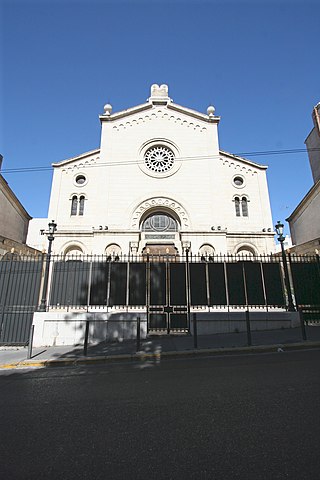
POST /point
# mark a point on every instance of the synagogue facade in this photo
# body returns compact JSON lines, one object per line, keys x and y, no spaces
{"x":159,"y":183}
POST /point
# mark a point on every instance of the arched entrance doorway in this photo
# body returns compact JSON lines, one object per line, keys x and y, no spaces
{"x":160,"y":233}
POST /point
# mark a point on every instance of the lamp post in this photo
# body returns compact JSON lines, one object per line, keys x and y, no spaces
{"x":279,"y":229}
{"x":52,"y":228}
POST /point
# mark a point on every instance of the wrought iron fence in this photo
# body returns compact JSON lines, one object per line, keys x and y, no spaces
{"x":158,"y":284}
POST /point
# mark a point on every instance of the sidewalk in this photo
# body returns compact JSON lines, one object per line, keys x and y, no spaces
{"x":160,"y":346}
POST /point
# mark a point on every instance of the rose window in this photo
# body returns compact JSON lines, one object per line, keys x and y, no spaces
{"x":159,"y":159}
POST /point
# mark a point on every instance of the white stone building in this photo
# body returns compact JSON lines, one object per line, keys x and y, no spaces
{"x":160,"y":183}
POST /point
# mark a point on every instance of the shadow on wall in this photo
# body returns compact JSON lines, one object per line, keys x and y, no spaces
{"x":80,"y":284}
{"x":106,"y":327}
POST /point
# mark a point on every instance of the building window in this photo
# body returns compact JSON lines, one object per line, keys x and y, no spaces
{"x":237,"y":206}
{"x":74,"y":205}
{"x":77,"y":205}
{"x":241,"y":206}
{"x":80,"y":179}
{"x":159,"y":222}
{"x":159,"y":159}
{"x":238,"y":181}
{"x":81,"y":205}
{"x":244,"y":206}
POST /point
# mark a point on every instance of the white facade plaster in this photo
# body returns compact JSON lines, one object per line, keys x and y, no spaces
{"x":61,"y":328}
{"x":119,"y":190}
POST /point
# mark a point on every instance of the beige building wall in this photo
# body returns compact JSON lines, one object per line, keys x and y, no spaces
{"x":305,"y":219}
{"x":14,"y":219}
{"x":313,"y":144}
{"x":305,"y":222}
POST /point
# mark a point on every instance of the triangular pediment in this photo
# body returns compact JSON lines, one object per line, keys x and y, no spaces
{"x":170,"y":107}
{"x":159,"y":99}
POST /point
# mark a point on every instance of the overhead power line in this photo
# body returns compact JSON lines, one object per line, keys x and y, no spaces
{"x":183,"y":159}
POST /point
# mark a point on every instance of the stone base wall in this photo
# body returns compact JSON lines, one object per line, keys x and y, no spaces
{"x":68,"y":328}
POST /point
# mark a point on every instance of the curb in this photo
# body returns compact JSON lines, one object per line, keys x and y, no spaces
{"x":142,"y":356}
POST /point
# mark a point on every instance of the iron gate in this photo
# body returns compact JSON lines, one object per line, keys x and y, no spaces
{"x":168,"y":305}
{"x":19,"y":296}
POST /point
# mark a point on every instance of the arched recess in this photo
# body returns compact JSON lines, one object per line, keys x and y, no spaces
{"x":113,"y":249}
{"x":160,"y":204}
{"x":206,"y":250}
{"x":72,"y":249}
{"x":245,"y":250}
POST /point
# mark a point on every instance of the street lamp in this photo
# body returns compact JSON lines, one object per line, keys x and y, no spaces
{"x":279,"y":227}
{"x":52,"y":228}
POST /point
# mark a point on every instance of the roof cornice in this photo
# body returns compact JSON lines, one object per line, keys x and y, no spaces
{"x":12,"y":198}
{"x":193,"y":113}
{"x":242,"y":159}
{"x":148,"y":106}
{"x":305,"y":199}
{"x":125,"y":113}
{"x":78,"y":157}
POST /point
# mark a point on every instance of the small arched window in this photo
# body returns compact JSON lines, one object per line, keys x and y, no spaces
{"x":74,"y":205}
{"x":237,"y":206}
{"x":244,"y":206}
{"x":81,"y":205}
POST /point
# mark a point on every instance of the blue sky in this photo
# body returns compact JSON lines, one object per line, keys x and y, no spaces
{"x":256,"y":61}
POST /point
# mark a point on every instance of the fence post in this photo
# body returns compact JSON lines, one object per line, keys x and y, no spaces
{"x":287,"y":278}
{"x":86,"y":335}
{"x":302,"y":324}
{"x":138,"y":334}
{"x":29,"y":355}
{"x":248,"y":328}
{"x":195,"y":331}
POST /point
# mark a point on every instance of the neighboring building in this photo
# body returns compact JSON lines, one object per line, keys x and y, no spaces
{"x":313,"y":144}
{"x":159,"y":183}
{"x":36,"y":237}
{"x":14,"y":221}
{"x":305,"y":219}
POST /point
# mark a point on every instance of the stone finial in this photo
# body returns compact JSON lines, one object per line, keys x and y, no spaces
{"x":210,"y":111}
{"x":159,"y":92}
{"x":107,"y":109}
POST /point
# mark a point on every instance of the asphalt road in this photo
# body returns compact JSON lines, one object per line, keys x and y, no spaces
{"x":239,"y":417}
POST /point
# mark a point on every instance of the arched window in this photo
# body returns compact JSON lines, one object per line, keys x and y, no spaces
{"x":72,"y":251}
{"x":74,"y":205}
{"x":159,"y":222}
{"x":246,"y":251}
{"x":237,"y":206}
{"x":77,"y":205}
{"x":81,"y":205}
{"x":241,"y":206}
{"x":244,"y":206}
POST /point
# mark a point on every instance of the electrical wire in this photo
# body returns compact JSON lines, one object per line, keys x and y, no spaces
{"x":182,"y":159}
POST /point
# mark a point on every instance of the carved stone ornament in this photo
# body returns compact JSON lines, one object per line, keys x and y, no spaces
{"x":160,"y":202}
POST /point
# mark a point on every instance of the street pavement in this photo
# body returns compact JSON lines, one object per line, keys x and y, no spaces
{"x":238,"y":417}
{"x":163,"y":346}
